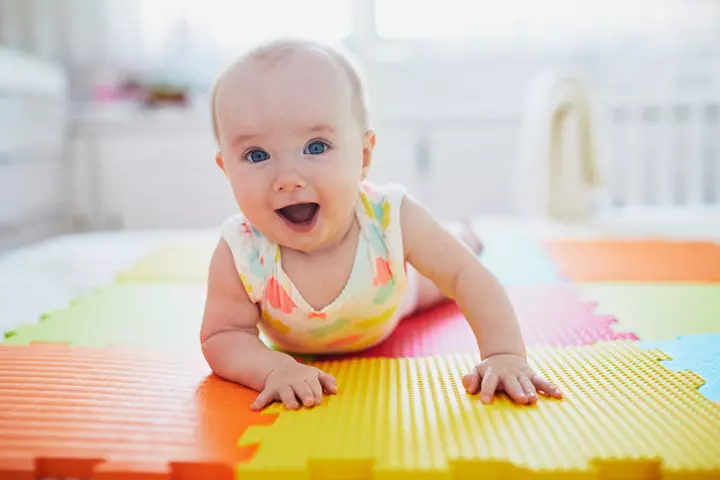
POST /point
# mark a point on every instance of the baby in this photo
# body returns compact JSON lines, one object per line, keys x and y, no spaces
{"x":321,"y":260}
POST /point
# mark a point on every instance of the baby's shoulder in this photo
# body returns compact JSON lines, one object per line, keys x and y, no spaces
{"x":251,"y":251}
{"x":240,"y":235}
{"x":382,"y":205}
{"x":238,"y":225}
{"x":378,"y":193}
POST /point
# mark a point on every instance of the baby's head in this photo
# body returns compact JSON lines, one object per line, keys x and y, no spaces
{"x":290,"y":119}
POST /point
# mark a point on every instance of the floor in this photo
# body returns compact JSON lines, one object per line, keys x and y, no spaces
{"x":113,"y":385}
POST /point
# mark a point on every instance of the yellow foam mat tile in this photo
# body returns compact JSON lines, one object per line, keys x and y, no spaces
{"x":624,"y":416}
{"x":178,"y":263}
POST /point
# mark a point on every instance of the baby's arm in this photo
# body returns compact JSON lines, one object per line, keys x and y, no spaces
{"x":233,"y":349}
{"x":457,"y":272}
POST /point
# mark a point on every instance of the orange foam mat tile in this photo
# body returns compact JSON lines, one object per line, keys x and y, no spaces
{"x":81,"y":412}
{"x":636,"y":260}
{"x":624,"y":416}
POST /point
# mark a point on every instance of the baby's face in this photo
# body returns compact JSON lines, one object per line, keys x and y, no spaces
{"x":292,"y":148}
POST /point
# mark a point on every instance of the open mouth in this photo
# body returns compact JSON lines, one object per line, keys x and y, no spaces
{"x":300,"y":214}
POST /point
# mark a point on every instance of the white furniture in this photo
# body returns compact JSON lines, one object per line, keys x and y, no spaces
{"x":33,"y":182}
{"x":138,"y":169}
{"x":453,"y":140}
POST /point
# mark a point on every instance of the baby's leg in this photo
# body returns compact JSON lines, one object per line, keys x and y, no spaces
{"x":428,"y":294}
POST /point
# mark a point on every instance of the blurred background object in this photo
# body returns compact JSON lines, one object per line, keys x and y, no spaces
{"x":558,"y":108}
{"x":34,"y":170}
{"x":558,"y":172}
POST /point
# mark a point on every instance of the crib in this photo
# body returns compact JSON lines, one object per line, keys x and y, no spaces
{"x":657,"y":135}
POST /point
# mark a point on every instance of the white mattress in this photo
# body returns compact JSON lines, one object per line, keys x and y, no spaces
{"x":47,"y":276}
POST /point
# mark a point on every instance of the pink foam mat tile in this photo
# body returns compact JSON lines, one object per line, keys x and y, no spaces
{"x":548,"y":315}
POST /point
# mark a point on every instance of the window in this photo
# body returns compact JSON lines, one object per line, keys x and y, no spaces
{"x":447,"y":18}
{"x":536,"y":23}
{"x":220,"y":27}
{"x":226,"y":24}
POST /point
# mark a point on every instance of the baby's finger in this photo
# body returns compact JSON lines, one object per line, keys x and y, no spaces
{"x":546,"y":387}
{"x":529,"y":389}
{"x":328,"y":382}
{"x":304,"y":393}
{"x":471,"y":382}
{"x":287,"y":395}
{"x":489,"y":385}
{"x":265,"y":398}
{"x":514,"y":389}
{"x":316,"y":388}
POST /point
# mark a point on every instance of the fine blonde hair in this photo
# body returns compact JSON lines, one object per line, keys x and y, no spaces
{"x":275,"y":50}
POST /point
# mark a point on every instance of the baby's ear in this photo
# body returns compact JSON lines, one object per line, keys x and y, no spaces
{"x":219,"y":161}
{"x":368,"y":146}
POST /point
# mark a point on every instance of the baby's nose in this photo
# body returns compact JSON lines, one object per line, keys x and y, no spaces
{"x":288,"y":181}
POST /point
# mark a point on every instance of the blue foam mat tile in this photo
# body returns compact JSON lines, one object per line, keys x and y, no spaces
{"x":698,"y":353}
{"x":517,"y":260}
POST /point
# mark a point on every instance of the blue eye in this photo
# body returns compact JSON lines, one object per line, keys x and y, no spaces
{"x":316,"y":148}
{"x":256,"y":156}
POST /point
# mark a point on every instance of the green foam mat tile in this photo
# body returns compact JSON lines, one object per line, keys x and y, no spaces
{"x":657,"y":311}
{"x":165,"y":317}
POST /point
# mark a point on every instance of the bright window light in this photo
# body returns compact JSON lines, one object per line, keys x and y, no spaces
{"x":532,"y":22}
{"x":228,"y":24}
{"x":447,"y":18}
{"x":239,"y":22}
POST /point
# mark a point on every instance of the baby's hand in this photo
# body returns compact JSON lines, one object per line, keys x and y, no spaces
{"x":510,"y":373}
{"x":295,"y":384}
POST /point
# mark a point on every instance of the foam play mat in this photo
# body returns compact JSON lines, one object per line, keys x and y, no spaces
{"x":114,"y":385}
{"x":659,"y":311}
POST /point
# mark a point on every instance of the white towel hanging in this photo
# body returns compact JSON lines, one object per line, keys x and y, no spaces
{"x":558,"y":173}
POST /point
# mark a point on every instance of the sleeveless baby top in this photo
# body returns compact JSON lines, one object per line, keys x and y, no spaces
{"x":366,"y":311}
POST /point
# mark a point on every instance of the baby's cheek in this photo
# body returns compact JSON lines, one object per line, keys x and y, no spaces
{"x":346,"y":176}
{"x":342,"y":189}
{"x":249,"y":195}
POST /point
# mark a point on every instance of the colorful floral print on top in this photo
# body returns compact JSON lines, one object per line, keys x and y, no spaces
{"x":368,"y":308}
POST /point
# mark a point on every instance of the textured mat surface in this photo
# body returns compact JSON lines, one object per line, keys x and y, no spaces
{"x":131,"y":414}
{"x":80,"y":412}
{"x":412,"y":419}
{"x":658,"y":311}
{"x":637,"y":261}
{"x":168,"y":317}
{"x":162,"y":317}
{"x":158,"y":317}
{"x":697,"y":353}
{"x":183,"y":263}
{"x":548,"y":315}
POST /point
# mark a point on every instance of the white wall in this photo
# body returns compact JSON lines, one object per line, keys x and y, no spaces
{"x":449,"y":121}
{"x":449,"y":130}
{"x":657,"y":126}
